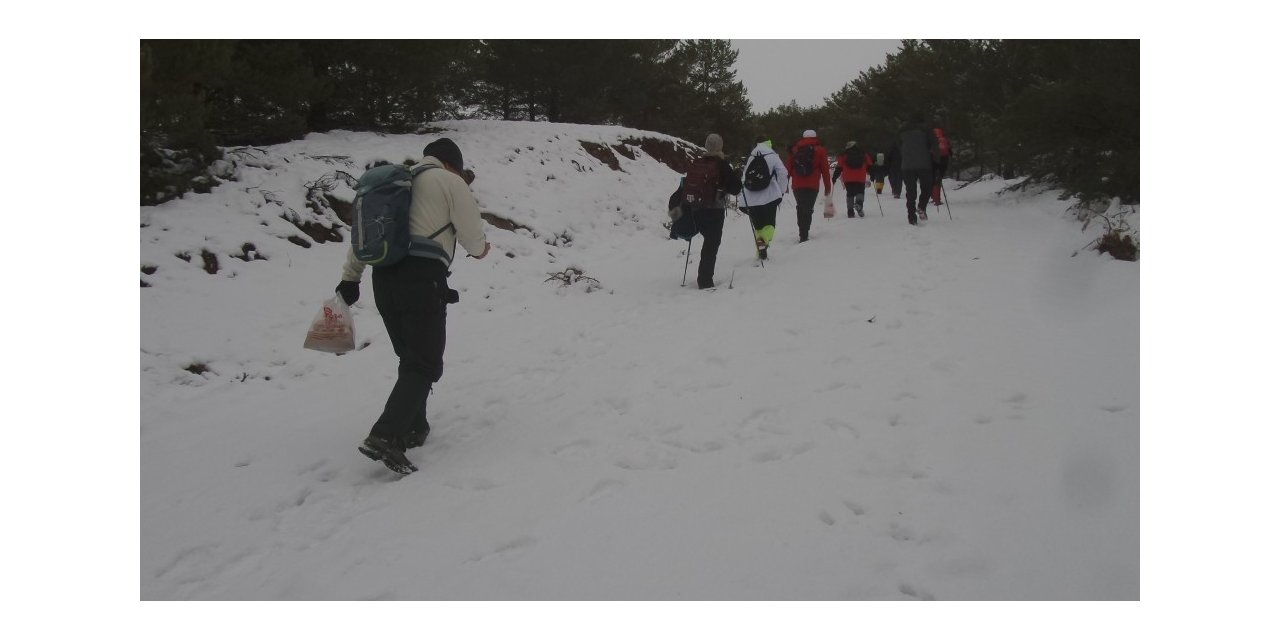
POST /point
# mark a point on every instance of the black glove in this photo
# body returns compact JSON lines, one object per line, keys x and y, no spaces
{"x":350,"y":291}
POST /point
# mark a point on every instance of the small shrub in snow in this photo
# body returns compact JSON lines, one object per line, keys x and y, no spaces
{"x":1120,"y":246}
{"x":1117,"y":240}
{"x":572,"y":276}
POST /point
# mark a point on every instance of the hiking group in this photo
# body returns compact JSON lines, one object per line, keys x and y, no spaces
{"x":408,"y":220}
{"x":917,"y":159}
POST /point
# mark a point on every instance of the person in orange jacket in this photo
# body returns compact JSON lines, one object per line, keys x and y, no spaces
{"x":853,"y":164}
{"x":808,"y":164}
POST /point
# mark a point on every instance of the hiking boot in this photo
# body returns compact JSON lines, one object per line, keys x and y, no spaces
{"x":380,"y":450}
{"x":764,"y":253}
{"x":861,"y":213}
{"x":923,"y":215}
{"x":911,"y":217}
{"x":415,"y":438}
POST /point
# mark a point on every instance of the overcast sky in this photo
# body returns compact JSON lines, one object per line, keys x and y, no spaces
{"x":778,"y":71}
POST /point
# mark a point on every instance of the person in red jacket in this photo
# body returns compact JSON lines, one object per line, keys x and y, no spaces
{"x":853,"y":164}
{"x":940,"y":161}
{"x":807,"y":165}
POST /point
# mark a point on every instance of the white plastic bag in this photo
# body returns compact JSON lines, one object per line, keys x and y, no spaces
{"x":333,"y":330}
{"x":829,"y":208}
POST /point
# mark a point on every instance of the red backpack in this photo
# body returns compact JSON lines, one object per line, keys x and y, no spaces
{"x":944,"y":145}
{"x":702,"y":184}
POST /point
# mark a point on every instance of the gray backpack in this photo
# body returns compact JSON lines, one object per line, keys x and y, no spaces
{"x":380,"y":214}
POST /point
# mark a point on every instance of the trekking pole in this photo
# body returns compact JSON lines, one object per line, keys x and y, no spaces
{"x":879,"y":205}
{"x":688,"y":253}
{"x":752,"y":225}
{"x":946,"y":200}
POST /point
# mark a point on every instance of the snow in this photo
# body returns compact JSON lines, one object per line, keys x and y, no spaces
{"x":948,"y":412}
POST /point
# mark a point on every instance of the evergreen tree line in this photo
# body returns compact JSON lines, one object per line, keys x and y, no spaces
{"x":1062,"y":112}
{"x":199,"y":95}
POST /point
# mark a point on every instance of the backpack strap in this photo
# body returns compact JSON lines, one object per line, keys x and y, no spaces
{"x":441,"y":230}
{"x":429,"y":247}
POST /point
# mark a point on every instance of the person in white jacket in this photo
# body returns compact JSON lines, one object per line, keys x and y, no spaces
{"x":762,"y":204}
{"x":411,"y":296}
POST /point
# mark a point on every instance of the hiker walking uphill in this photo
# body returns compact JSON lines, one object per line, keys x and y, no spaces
{"x":893,"y":168}
{"x":411,"y":294}
{"x":919,"y":146}
{"x":764,"y":182}
{"x":808,"y":163}
{"x":706,"y":182}
{"x":940,"y":162}
{"x":878,"y":170}
{"x":853,"y":164}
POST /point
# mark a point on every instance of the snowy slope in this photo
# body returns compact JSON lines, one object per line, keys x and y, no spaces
{"x":886,"y":412}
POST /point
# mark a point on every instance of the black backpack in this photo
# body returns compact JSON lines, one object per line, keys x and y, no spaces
{"x":758,"y":174}
{"x":702,"y":184}
{"x":802,"y":161}
{"x":682,"y":225}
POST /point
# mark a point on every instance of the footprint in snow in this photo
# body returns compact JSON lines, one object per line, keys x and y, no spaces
{"x":601,"y":489}
{"x":1114,"y":408}
{"x":506,"y":550}
{"x":835,"y":386}
{"x":901,"y":533}
{"x":694,"y":446}
{"x":577,"y":448}
{"x":913,"y":592}
{"x":471,"y":484}
{"x":777,"y":455}
{"x":842,"y":428}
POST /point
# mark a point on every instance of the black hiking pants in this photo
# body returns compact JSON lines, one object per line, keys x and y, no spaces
{"x":805,"y":199}
{"x":912,"y":178}
{"x":410,"y":297}
{"x":711,"y":226}
{"x":764,"y":215}
{"x":854,"y":194}
{"x":895,"y":182}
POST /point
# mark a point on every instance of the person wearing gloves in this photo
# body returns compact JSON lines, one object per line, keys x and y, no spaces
{"x":853,"y":163}
{"x":762,"y":204}
{"x":807,"y":165}
{"x":411,"y":296}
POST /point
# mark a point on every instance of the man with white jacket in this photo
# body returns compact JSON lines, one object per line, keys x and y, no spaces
{"x":762,"y":203}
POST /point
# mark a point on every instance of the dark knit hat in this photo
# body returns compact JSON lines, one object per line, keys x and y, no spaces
{"x":445,"y":151}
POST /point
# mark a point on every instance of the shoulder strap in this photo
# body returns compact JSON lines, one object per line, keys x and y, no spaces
{"x":440,"y":231}
{"x":414,"y":173}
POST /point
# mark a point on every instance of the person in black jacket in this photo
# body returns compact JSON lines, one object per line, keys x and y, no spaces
{"x":708,"y":180}
{"x":894,"y":168}
{"x":919,"y":147}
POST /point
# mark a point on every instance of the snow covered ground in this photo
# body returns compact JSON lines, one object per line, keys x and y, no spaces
{"x":884,"y":413}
